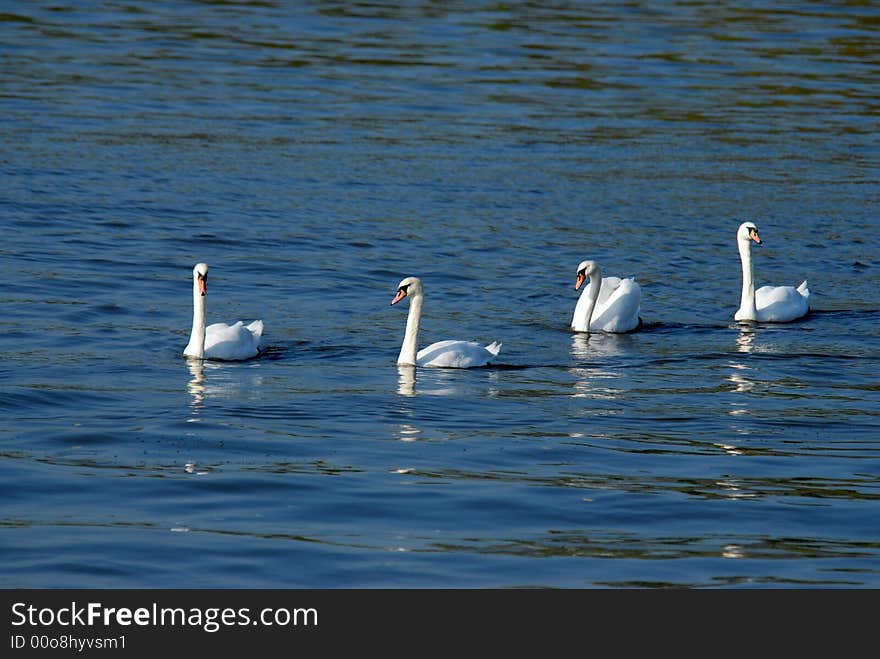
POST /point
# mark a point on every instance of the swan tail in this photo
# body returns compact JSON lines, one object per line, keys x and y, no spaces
{"x":803,"y":290}
{"x":494,"y":348}
{"x":256,"y":328}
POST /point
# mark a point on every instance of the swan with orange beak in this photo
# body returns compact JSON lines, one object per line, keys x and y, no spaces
{"x":768,"y":304}
{"x":443,"y":354}
{"x":607,"y":304}
{"x":219,"y":340}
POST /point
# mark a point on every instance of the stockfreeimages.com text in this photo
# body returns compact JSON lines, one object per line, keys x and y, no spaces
{"x":210,"y":619}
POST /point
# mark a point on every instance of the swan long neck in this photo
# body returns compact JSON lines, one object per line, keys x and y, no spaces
{"x":196,"y":346}
{"x":410,"y":344}
{"x":583,"y":311}
{"x":747,"y":309}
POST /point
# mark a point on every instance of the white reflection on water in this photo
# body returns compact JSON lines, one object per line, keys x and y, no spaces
{"x":743,"y":385}
{"x":439,"y":382}
{"x":190,"y":468}
{"x":598,"y":344}
{"x":592,"y":381}
{"x":211,"y":379}
{"x":739,"y":375}
{"x":745,"y":339}
{"x":407,"y":432}
{"x":196,"y":385}
{"x":406,"y":386}
{"x":447,"y":381}
{"x":733,"y":489}
{"x":733,"y":551}
{"x":406,"y":380}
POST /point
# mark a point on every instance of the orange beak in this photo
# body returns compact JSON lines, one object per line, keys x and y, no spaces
{"x":203,"y":285}
{"x":753,"y":234}
{"x":400,"y":295}
{"x":581,"y":278}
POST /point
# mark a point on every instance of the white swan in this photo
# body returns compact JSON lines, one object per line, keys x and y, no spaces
{"x":769,"y":304}
{"x":608,"y":304}
{"x":219,"y":340}
{"x":443,"y":354}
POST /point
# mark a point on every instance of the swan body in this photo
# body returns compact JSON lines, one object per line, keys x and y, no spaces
{"x":442,"y":354}
{"x":607,"y":304}
{"x":768,"y":304}
{"x":219,"y":340}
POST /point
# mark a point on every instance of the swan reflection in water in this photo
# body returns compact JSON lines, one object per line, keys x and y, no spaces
{"x":435,"y":382}
{"x":406,"y":380}
{"x":739,"y":373}
{"x":592,"y":381}
{"x":440,"y":382}
{"x":745,"y":340}
{"x":406,"y":386}
{"x":206,"y":381}
{"x":196,"y":385}
{"x":742,"y":384}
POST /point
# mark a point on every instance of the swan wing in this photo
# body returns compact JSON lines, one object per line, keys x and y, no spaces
{"x":494,"y":348}
{"x":618,"y":309}
{"x":780,"y":304}
{"x":607,"y":289}
{"x":457,"y":354}
{"x":236,"y":341}
{"x":256,"y":328}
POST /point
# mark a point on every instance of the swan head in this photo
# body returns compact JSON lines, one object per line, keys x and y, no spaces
{"x":748,"y":231}
{"x":585,"y":269}
{"x":407,"y":287}
{"x":200,"y":277}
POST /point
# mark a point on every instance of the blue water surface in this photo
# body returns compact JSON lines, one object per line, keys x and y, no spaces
{"x":316,"y":153}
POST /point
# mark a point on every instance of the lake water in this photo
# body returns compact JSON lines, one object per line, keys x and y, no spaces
{"x":314,"y":154}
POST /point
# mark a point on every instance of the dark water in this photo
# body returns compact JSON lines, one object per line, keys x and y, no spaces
{"x":316,"y":153}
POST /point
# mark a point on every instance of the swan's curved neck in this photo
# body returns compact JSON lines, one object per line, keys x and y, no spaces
{"x":747,"y":309}
{"x":196,"y":345}
{"x":410,"y":345}
{"x":583,"y":311}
